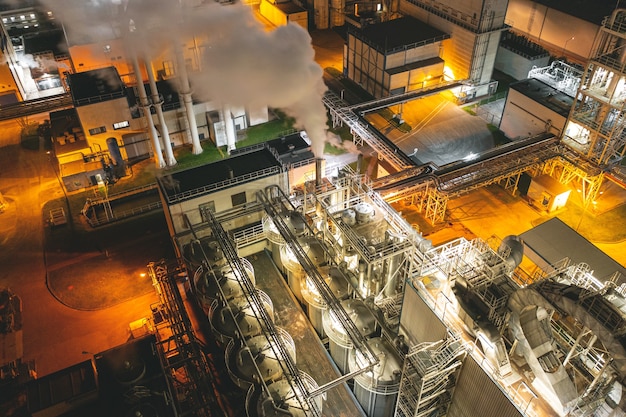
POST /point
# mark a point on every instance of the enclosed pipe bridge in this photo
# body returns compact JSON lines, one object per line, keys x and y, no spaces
{"x":432,"y":186}
{"x":275,"y":205}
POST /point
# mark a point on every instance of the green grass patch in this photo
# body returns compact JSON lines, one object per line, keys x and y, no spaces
{"x":330,"y":149}
{"x":186,"y":159}
{"x":267,"y":131}
{"x":469,"y":110}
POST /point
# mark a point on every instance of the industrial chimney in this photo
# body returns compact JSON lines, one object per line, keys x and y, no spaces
{"x":319,"y":166}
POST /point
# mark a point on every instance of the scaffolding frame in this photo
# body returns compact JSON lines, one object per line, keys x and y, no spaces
{"x":588,"y":175}
{"x":600,"y":108}
{"x":181,"y":350}
{"x":428,"y":378}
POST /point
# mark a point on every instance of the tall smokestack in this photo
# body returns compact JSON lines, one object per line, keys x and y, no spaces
{"x":319,"y":167}
{"x":158,"y":105}
{"x":145,"y":105}
{"x":185,"y":91}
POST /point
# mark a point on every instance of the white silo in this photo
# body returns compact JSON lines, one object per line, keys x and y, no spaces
{"x":316,"y":305}
{"x":339,"y":342}
{"x":377,"y":390}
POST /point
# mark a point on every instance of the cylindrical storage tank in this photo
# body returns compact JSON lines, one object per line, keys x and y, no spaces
{"x":257,"y":359}
{"x":338,"y":286}
{"x":275,"y":238}
{"x":295,"y":272}
{"x":348,"y":217}
{"x":364,"y":212}
{"x":223,"y":283}
{"x":377,"y":390}
{"x":294,"y":223}
{"x":512,"y":250}
{"x":285,"y":399}
{"x":296,"y":275}
{"x":202,"y":250}
{"x":227,"y":319}
{"x":339,"y":342}
{"x":114,"y":152}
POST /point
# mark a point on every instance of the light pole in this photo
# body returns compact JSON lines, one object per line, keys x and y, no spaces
{"x":565,"y":45}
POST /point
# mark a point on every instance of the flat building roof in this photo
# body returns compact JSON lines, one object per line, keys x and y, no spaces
{"x":544,"y":94}
{"x":553,"y":241}
{"x":241,"y":168}
{"x":406,"y":32}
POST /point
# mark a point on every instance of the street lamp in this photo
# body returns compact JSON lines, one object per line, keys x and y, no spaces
{"x":565,"y":45}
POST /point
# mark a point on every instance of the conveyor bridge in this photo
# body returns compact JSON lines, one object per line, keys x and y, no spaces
{"x":381,"y":103}
{"x":31,"y":107}
{"x":362,"y":132}
{"x":430,"y":186}
{"x":352,"y":116}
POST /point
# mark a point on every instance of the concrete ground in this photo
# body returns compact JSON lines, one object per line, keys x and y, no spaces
{"x":55,"y":334}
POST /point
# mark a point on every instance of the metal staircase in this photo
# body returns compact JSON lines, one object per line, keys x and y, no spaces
{"x":428,"y":378}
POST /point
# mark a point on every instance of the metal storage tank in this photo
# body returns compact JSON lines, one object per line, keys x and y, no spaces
{"x":295,"y":273}
{"x":257,"y":359}
{"x":283,"y":399}
{"x":226,"y":317}
{"x":114,"y":152}
{"x":339,"y":343}
{"x":211,"y":285}
{"x":296,"y":225}
{"x":315,"y":303}
{"x":377,"y":390}
{"x":202,"y":250}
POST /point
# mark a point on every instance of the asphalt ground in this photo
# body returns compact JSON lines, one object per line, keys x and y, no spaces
{"x":105,"y":266}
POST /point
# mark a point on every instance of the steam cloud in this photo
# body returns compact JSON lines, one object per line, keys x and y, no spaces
{"x":242,"y":64}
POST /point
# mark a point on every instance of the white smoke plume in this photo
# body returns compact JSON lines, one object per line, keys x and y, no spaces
{"x":242,"y":64}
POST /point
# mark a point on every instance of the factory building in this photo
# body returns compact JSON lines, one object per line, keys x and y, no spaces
{"x":533,"y":107}
{"x":414,"y":329}
{"x":517,"y":55}
{"x":596,"y":125}
{"x":474,"y":29}
{"x":395,"y":57}
{"x":564,"y":28}
{"x":33,"y":54}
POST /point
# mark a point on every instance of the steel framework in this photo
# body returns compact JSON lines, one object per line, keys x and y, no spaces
{"x":180,"y":350}
{"x":428,"y":378}
{"x":597,"y":121}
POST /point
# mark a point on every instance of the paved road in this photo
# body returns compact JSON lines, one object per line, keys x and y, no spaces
{"x":54,"y":335}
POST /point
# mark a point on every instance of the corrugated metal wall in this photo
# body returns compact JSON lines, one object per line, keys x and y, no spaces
{"x":418,"y":323}
{"x":477,"y":395}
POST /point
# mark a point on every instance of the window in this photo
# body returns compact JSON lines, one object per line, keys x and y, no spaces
{"x":121,"y":125}
{"x":238,"y":199}
{"x":206,"y":207}
{"x":97,"y":130}
{"x":168,"y":68}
